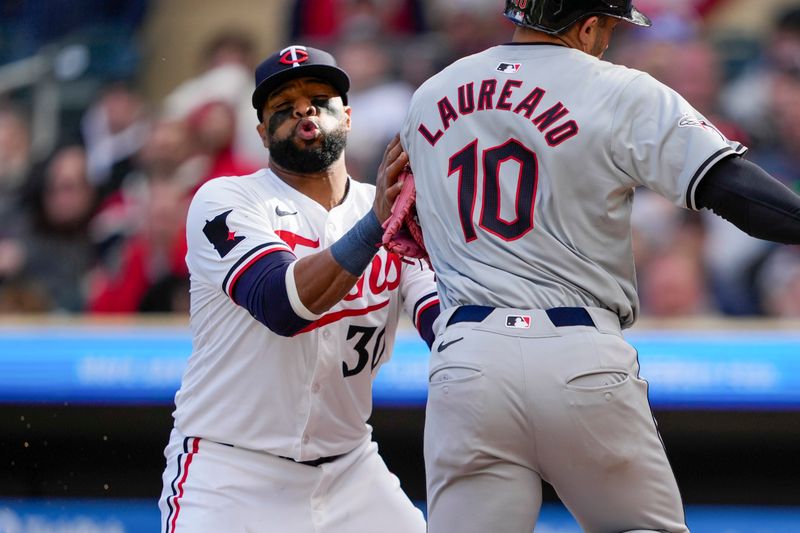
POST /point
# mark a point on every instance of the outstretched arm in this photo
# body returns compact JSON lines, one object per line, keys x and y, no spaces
{"x":744,"y":194}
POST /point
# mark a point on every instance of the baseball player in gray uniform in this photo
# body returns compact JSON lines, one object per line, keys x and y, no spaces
{"x":525,"y":158}
{"x":293,"y":311}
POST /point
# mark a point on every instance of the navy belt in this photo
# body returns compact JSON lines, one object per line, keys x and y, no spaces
{"x":559,"y":316}
{"x":314,"y":462}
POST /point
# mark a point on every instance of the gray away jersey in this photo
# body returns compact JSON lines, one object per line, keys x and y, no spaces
{"x":525,"y":160}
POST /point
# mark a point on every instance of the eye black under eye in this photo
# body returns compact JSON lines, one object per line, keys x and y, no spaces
{"x":322,"y":101}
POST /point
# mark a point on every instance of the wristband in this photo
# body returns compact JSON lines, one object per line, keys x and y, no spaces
{"x":356,"y":248}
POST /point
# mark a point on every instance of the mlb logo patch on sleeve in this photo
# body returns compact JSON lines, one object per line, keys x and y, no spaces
{"x":509,"y":68}
{"x":518,"y":321}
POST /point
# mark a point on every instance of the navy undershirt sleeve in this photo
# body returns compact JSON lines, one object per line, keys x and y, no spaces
{"x":261,"y":289}
{"x":425,"y":324}
{"x":747,"y":196}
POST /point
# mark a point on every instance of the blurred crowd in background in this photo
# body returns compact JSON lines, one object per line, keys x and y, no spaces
{"x":95,"y":177}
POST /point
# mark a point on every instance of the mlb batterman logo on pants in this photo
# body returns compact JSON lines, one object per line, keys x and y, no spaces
{"x":518,"y":321}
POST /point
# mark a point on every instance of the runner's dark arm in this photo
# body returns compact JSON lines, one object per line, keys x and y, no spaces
{"x":747,"y":196}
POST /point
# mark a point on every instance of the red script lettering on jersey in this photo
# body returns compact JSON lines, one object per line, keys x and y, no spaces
{"x":380,"y":277}
{"x":378,"y":284}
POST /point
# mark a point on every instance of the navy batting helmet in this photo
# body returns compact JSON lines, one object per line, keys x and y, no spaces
{"x":555,"y":16}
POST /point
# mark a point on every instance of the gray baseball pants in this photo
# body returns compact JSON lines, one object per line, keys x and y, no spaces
{"x":514,"y":400}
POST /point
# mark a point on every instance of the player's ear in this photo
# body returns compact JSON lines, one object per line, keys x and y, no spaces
{"x":587,"y":30}
{"x":348,"y":111}
{"x":262,"y":132}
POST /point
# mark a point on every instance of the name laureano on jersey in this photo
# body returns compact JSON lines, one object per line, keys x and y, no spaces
{"x":471,"y":98}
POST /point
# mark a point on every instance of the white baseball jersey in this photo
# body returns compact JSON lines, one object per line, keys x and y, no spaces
{"x":304,"y":396}
{"x":526,"y":157}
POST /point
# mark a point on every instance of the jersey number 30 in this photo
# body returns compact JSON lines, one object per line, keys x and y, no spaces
{"x":465,"y":163}
{"x":362,"y":348}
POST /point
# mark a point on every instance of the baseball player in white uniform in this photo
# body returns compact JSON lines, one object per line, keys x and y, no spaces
{"x":293,"y":311}
{"x":525,"y":158}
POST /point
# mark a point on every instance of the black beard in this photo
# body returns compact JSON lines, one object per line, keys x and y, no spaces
{"x":309,"y":160}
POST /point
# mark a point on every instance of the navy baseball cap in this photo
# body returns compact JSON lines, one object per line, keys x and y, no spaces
{"x":297,"y":62}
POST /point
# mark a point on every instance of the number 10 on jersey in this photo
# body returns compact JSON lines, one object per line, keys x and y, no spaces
{"x":466,"y":166}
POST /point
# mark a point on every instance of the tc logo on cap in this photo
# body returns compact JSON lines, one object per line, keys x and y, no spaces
{"x":294,"y":55}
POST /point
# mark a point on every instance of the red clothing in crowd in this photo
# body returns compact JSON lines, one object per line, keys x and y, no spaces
{"x":122,"y":292}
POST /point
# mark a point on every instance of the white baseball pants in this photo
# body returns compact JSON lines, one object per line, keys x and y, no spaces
{"x":211,"y":487}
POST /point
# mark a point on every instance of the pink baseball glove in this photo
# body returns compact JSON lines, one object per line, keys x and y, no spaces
{"x":402,"y":233}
